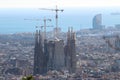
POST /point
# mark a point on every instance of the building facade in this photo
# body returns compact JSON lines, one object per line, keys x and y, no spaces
{"x":39,"y":56}
{"x":54,"y":55}
{"x":97,"y":22}
{"x":70,"y":52}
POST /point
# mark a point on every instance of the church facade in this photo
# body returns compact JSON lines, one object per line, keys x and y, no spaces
{"x":54,"y":55}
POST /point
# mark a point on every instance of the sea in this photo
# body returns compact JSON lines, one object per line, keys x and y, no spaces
{"x":17,"y":20}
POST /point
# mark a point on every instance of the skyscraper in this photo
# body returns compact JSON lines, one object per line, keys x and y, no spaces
{"x":97,"y":22}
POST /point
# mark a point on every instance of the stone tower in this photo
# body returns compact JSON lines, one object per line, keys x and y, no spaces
{"x":56,"y":55}
{"x":53,"y":55}
{"x":70,"y":52}
{"x":39,"y":56}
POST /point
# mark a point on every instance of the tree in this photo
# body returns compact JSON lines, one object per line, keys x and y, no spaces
{"x":28,"y":78}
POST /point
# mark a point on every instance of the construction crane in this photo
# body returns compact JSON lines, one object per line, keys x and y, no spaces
{"x":56,"y":17}
{"x":39,"y":27}
{"x":45,"y":22}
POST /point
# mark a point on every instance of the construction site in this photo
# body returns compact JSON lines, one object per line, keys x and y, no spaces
{"x":54,"y":54}
{"x":85,"y":54}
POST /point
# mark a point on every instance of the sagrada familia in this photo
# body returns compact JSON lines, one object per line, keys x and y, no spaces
{"x":54,"y":54}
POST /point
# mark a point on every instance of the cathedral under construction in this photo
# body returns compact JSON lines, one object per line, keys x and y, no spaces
{"x":54,"y":54}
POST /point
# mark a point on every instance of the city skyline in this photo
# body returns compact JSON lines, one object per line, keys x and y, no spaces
{"x":77,"y":13}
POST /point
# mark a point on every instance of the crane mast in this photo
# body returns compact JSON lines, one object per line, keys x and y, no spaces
{"x":45,"y":20}
{"x":45,"y":23}
{"x":56,"y":17}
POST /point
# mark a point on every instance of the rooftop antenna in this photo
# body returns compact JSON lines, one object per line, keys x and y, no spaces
{"x":56,"y":17}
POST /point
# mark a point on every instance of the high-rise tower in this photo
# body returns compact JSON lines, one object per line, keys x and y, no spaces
{"x":97,"y":22}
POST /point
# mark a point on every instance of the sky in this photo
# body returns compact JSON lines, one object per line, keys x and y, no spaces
{"x":77,"y":13}
{"x":61,"y":3}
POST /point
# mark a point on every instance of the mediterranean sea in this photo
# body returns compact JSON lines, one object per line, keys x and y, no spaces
{"x":12,"y":19}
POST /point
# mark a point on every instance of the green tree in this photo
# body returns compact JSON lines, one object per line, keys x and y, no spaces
{"x":28,"y":78}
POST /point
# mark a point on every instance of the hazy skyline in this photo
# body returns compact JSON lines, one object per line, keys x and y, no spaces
{"x":77,"y":13}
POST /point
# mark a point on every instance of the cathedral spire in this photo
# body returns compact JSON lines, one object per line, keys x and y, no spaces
{"x":36,"y":38}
